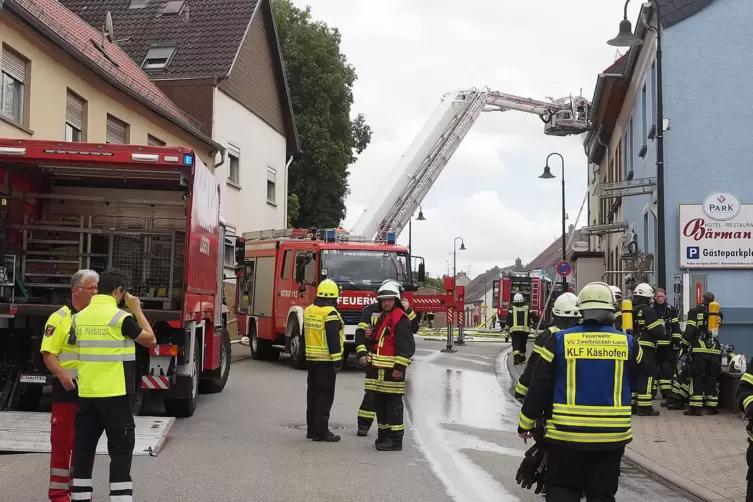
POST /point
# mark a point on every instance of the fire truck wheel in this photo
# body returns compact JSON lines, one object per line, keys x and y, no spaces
{"x":216,"y":385}
{"x":185,"y":407}
{"x":261,"y":349}
{"x":297,"y":347}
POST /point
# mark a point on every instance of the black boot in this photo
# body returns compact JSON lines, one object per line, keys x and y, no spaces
{"x":675,"y":405}
{"x":694,"y":411}
{"x":328,"y":437}
{"x":390,"y":445}
{"x":647,"y":411}
{"x":381,"y":438}
{"x":712,"y":411}
{"x":362,"y":431}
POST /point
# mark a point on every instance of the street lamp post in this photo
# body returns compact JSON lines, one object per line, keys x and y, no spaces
{"x":454,"y":289}
{"x":547,"y":175}
{"x":410,"y":229}
{"x":626,"y":38}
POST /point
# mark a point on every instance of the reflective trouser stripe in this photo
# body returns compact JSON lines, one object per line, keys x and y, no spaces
{"x":366,"y":414}
{"x":121,"y":498}
{"x":84,"y":483}
{"x":81,"y":495}
{"x":125,"y":485}
{"x":55,"y":485}
{"x":59,"y":472}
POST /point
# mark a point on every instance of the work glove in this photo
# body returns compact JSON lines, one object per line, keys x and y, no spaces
{"x":532,"y":470}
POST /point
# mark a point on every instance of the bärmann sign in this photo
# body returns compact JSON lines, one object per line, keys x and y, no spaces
{"x":717,"y":233}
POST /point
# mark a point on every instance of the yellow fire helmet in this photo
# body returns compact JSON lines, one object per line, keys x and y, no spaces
{"x":328,"y":289}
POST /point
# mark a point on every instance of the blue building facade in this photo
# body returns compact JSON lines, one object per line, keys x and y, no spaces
{"x":707,"y":148}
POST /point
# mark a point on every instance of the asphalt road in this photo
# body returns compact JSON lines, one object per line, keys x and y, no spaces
{"x":248,"y":443}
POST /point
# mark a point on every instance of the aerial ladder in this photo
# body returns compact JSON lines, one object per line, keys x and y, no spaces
{"x":437,"y":141}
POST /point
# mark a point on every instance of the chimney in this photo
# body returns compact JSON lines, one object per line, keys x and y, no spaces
{"x":518,"y":263}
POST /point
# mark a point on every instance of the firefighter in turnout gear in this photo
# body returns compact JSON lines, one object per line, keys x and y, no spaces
{"x":666,"y":348}
{"x":324,"y":335}
{"x":519,"y":318}
{"x":61,"y":358}
{"x":648,"y":330}
{"x":566,"y":316}
{"x":617,"y":307}
{"x":582,"y":384}
{"x":745,"y":402}
{"x":394,"y":347}
{"x":107,"y":376}
{"x":701,"y":334}
{"x":364,"y":348}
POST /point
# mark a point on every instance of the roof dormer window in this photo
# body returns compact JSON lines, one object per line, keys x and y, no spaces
{"x":158,"y":58}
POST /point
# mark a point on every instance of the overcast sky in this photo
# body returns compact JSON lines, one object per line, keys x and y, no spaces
{"x":408,"y":53}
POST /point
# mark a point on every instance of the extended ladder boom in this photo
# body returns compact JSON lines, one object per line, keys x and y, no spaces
{"x":437,"y":141}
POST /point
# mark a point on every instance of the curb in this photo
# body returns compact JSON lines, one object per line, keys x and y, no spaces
{"x":661,"y":473}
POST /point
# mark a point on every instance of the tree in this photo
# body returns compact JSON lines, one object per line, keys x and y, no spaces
{"x":640,"y":265}
{"x":294,"y":209}
{"x":321,"y":82}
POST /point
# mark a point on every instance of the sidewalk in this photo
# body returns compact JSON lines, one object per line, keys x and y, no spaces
{"x":704,"y":456}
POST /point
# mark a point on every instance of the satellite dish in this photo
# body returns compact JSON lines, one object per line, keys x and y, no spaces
{"x":108,"y":31}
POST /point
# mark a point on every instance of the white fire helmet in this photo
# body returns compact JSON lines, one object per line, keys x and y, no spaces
{"x":738,"y":364}
{"x":566,"y":305}
{"x":644,"y":290}
{"x":617,"y":292}
{"x":518,"y":298}
{"x":389,"y":290}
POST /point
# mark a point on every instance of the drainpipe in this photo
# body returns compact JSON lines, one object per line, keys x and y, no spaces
{"x":285,"y":201}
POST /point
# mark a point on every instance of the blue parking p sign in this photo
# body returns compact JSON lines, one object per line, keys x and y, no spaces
{"x":693,"y":252}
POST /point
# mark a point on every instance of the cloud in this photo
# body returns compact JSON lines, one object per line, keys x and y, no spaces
{"x":409,"y":53}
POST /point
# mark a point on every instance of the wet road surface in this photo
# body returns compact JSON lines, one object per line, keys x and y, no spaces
{"x":465,"y":422}
{"x":248,"y":444}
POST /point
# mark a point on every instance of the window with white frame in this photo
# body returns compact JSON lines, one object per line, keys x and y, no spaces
{"x":229,"y":258}
{"x":117,"y":131}
{"x":158,"y":58}
{"x":234,"y":166}
{"x":271,"y":185}
{"x":74,"y":117}
{"x":13,"y":85}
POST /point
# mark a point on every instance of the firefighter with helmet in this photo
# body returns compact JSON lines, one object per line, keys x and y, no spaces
{"x":705,"y":358}
{"x":394,"y":347}
{"x":666,"y":349}
{"x":519,"y":318}
{"x":617,"y":306}
{"x":583,"y":375}
{"x":648,"y":330}
{"x":324,"y":333}
{"x":744,"y":397}
{"x":566,"y":316}
{"x":364,"y":348}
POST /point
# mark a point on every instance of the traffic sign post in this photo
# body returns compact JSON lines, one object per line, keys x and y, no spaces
{"x":564,"y":268}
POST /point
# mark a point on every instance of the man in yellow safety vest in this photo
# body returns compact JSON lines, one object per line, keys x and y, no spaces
{"x":324,"y":334}
{"x":107,"y":377}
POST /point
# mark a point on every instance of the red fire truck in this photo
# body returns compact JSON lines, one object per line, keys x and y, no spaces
{"x":150,"y":211}
{"x":278,"y":271}
{"x":534,"y":286}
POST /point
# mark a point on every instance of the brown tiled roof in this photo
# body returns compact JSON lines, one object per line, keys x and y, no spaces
{"x":206,"y":43}
{"x":76,"y":37}
{"x":552,"y":254}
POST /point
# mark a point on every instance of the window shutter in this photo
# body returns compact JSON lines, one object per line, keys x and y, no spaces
{"x":152,"y":141}
{"x":74,"y":111}
{"x":116,"y":131}
{"x":14,"y":66}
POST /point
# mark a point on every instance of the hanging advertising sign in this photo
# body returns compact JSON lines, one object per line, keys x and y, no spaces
{"x":717,"y":233}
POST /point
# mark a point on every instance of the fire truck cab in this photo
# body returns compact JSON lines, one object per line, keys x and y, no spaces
{"x":534,"y":286}
{"x":278,"y":272}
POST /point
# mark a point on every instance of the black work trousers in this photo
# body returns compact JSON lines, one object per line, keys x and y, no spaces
{"x":113,"y":415}
{"x":367,"y":411}
{"x":666,"y":360}
{"x":519,"y":342}
{"x":647,"y":376}
{"x":572,"y":473}
{"x":704,"y":372}
{"x":319,"y":396}
{"x":389,"y":415}
{"x":749,"y":477}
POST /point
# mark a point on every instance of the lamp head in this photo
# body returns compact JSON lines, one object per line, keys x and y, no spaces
{"x":547,"y":175}
{"x":625,"y":37}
